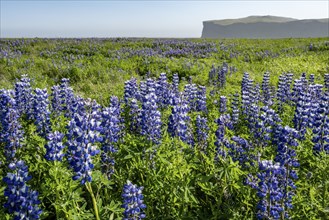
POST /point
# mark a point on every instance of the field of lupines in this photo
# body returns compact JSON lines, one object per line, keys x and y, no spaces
{"x":164,"y":129}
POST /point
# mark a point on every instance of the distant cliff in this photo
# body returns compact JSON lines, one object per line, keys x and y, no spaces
{"x":265,"y":27}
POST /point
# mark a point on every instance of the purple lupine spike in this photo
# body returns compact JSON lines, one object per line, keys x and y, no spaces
{"x":235,"y":109}
{"x":54,"y":146}
{"x":326,"y":81}
{"x":23,"y":96}
{"x":130,"y":90}
{"x":112,"y":132}
{"x":240,"y":150}
{"x":201,"y":99}
{"x":223,"y":122}
{"x":191,"y":94}
{"x":286,"y":156}
{"x":245,"y":93}
{"x":151,"y":118}
{"x":179,"y":121}
{"x":12,"y":132}
{"x":162,"y":91}
{"x":321,"y":126}
{"x":22,"y":201}
{"x":175,"y":84}
{"x":83,"y":132}
{"x":302,"y":112}
{"x":269,"y":191}
{"x":41,"y":112}
{"x":266,"y":93}
{"x":223,"y":104}
{"x":56,"y":107}
{"x":133,"y":202}
{"x":202,"y":130}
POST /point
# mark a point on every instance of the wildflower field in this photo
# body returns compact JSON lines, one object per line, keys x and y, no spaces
{"x":130,"y":128}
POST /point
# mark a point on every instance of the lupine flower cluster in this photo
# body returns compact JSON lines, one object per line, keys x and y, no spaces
{"x":240,"y":150}
{"x":223,"y":104}
{"x":270,"y":191}
{"x":326,"y":81}
{"x":11,"y":133}
{"x":191,"y":96}
{"x":23,"y":96}
{"x":201,"y":102}
{"x":245,"y":93}
{"x":54,"y":146}
{"x":133,"y":202}
{"x":151,"y":118}
{"x":223,"y":122}
{"x":84,"y":131}
{"x":178,"y":125}
{"x":301,"y":117}
{"x":56,"y":107}
{"x":235,"y":109}
{"x":41,"y":111}
{"x":175,"y":85}
{"x":67,"y":98}
{"x":163,"y":91}
{"x":202,"y":130}
{"x":222,"y":75}
{"x":22,"y":202}
{"x":112,"y":131}
{"x":321,"y":126}
{"x":130,"y":90}
{"x":266,"y":93}
{"x":286,"y":157}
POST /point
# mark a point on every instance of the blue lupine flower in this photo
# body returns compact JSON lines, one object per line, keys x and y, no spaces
{"x":22,"y":202}
{"x":130,"y":90}
{"x":245,"y":93}
{"x":212,"y":74}
{"x":311,"y":79}
{"x":223,"y":104}
{"x":235,"y":109}
{"x":143,"y":91}
{"x":222,"y":75}
{"x":270,"y":191}
{"x":321,"y":126}
{"x":66,"y":97}
{"x":264,"y":125}
{"x":112,"y":131}
{"x":41,"y":112}
{"x":178,"y":125}
{"x":191,"y":96}
{"x":220,"y":143}
{"x":56,"y":107}
{"x":202,"y":130}
{"x":133,"y":202}
{"x":84,"y":131}
{"x":286,"y":156}
{"x":162,"y":91}
{"x":301,"y":117}
{"x":23,"y":96}
{"x":326,"y":81}
{"x":134,"y":116}
{"x":151,"y":118}
{"x":54,"y":146}
{"x":12,"y":132}
{"x":316,"y":96}
{"x":175,"y":85}
{"x":266,"y":93}
{"x":201,"y":100}
{"x":240,"y":150}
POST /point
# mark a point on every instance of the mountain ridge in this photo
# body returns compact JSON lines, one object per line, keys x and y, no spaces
{"x":265,"y":27}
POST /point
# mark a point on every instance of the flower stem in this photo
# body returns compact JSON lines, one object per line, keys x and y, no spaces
{"x":90,"y":190}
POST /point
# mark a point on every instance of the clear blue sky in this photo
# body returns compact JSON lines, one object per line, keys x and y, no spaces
{"x":137,"y":18}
